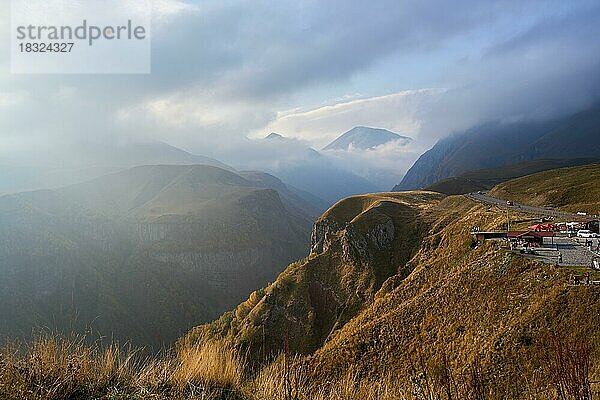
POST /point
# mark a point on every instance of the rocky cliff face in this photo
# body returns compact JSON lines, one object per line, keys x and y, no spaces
{"x":321,"y":235}
{"x":355,"y":247}
{"x":354,"y":243}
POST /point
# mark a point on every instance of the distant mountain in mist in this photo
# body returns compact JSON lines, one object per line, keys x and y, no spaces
{"x":70,"y":166}
{"x":274,"y":135}
{"x":312,"y":172}
{"x":145,"y":253}
{"x":497,"y":144}
{"x":364,"y":138}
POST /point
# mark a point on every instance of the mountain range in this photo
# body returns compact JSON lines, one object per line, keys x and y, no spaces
{"x":503,"y":143}
{"x":314,"y":173}
{"x":145,"y":253}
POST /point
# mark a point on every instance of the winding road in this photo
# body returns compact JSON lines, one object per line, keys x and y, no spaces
{"x":548,"y":212}
{"x":572,"y":252}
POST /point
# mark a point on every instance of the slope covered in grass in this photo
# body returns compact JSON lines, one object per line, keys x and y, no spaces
{"x":356,"y":245}
{"x":481,"y":305}
{"x":428,"y":300}
{"x":144,"y":254}
{"x":485,"y":179}
{"x":570,"y":189}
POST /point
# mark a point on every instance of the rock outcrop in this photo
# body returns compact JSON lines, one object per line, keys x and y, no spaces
{"x":355,"y":247}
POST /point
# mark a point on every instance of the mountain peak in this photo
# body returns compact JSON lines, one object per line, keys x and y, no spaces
{"x":274,"y":135}
{"x":364,"y":138}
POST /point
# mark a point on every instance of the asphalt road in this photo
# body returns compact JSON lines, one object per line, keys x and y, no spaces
{"x":571,"y":249}
{"x":548,"y":212}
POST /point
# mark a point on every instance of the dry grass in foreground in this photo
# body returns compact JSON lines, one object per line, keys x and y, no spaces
{"x":53,"y":368}
{"x":56,"y":369}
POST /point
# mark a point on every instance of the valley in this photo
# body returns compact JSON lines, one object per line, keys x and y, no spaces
{"x":301,"y":200}
{"x":393,"y":287}
{"x":144,"y":254}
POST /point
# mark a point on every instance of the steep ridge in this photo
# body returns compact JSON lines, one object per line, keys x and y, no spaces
{"x":143,"y":254}
{"x":502,"y":143}
{"x":395,"y":284}
{"x":356,"y":245}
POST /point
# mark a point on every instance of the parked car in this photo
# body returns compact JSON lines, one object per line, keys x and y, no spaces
{"x":584,"y":233}
{"x":527,"y":250}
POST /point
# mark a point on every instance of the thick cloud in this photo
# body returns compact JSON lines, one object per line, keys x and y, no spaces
{"x":396,"y":112}
{"x":226,"y":70}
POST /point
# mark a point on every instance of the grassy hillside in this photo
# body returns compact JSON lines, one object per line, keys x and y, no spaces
{"x":485,"y":179}
{"x":479,"y":305}
{"x":570,"y":189}
{"x":145,"y":254}
{"x":504,"y":143}
{"x":355,"y":248}
{"x":426,"y":302}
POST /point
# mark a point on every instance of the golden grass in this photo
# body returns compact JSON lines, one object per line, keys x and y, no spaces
{"x":209,"y":364}
{"x":53,"y":368}
{"x":569,"y":189}
{"x":288,"y":379}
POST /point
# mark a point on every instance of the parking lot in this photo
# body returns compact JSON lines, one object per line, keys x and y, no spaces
{"x":573,"y":251}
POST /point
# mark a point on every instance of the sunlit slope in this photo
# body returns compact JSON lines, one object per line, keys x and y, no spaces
{"x":468,"y":303}
{"x":570,"y":189}
{"x":485,"y":179}
{"x":356,"y":245}
{"x":370,"y":298}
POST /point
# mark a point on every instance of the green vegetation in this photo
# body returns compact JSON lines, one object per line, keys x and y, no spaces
{"x":570,"y":189}
{"x":485,"y":179}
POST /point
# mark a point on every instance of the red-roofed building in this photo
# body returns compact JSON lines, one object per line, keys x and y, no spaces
{"x":531,"y":237}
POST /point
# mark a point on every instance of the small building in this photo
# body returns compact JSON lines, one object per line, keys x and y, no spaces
{"x":531,"y":237}
{"x":483,"y":236}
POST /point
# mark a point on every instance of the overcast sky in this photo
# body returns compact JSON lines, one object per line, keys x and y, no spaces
{"x":227,"y":70}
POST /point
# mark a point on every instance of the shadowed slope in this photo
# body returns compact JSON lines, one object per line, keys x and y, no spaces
{"x":143,"y":254}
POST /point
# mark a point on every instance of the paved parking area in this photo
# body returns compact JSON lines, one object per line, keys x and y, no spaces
{"x":573,"y":251}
